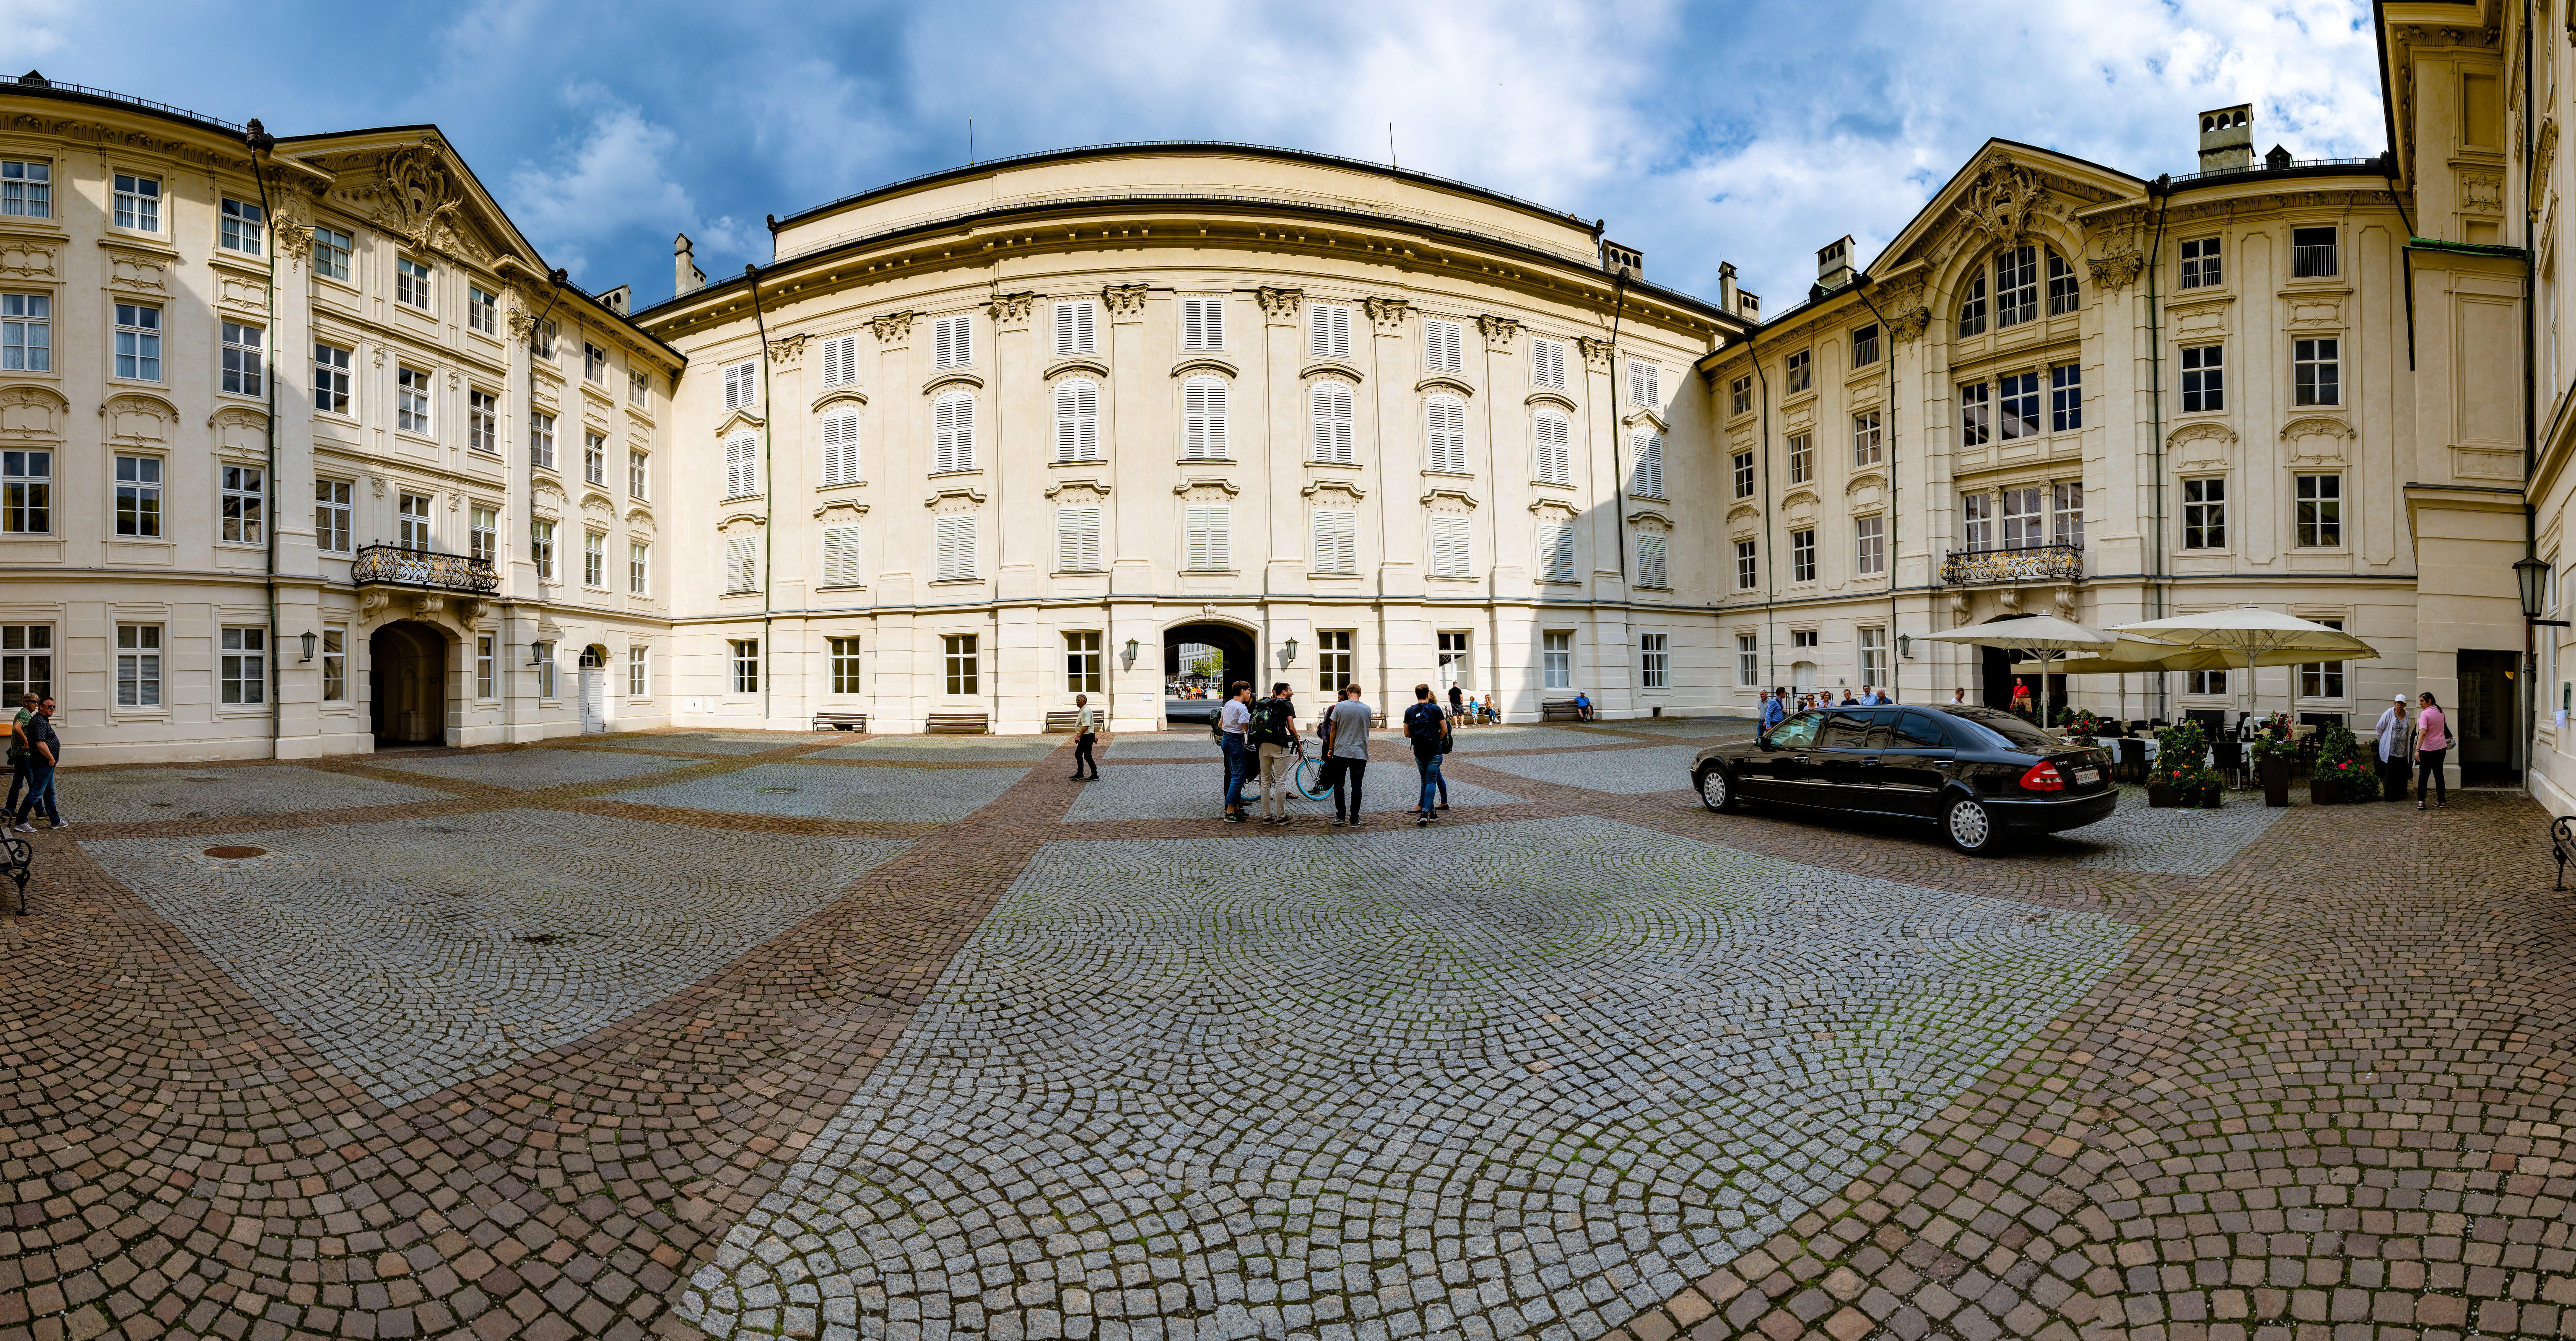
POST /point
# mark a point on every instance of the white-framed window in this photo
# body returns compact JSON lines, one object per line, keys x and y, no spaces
{"x":742,"y":464}
{"x":1444,"y":434}
{"x":411,"y":522}
{"x":138,"y":665}
{"x":335,"y":664}
{"x":956,"y":537}
{"x":1328,"y":331}
{"x":1742,"y":469}
{"x":26,"y":332}
{"x":594,"y":363}
{"x":953,"y":426}
{"x":541,"y":339}
{"x":1802,"y":457}
{"x":26,"y":661}
{"x":1748,"y":660}
{"x":2205,"y":682}
{"x":330,"y":378}
{"x":639,"y":385}
{"x":1739,"y":395}
{"x":845,"y":665}
{"x":1977,"y":520}
{"x":639,"y":568}
{"x":1654,"y":550}
{"x":1802,"y":555}
{"x":1869,"y":545}
{"x":2065,"y":398}
{"x":243,"y":497}
{"x":594,"y":558}
{"x":331,"y":252}
{"x":411,"y":400}
{"x":26,"y":188}
{"x":1337,"y":540}
{"x":1646,"y":449}
{"x":2016,"y":286}
{"x":483,"y":532}
{"x":1077,"y":327}
{"x":482,"y":310}
{"x":1556,"y":551}
{"x":741,"y":384}
{"x":1972,"y":307}
{"x":1976,"y":414}
{"x":1334,"y":662}
{"x":243,"y":674}
{"x":952,"y":341}
{"x":138,"y":202}
{"x":841,"y":555}
{"x":244,"y":357}
{"x":1202,"y":323}
{"x":2316,"y":368}
{"x":138,"y":496}
{"x":1330,"y":406}
{"x":746,"y":665}
{"x":1441,"y":345}
{"x":541,"y":440}
{"x":639,"y":469}
{"x":2204,"y":379}
{"x":2201,"y":266}
{"x":1556,"y":659}
{"x":594,"y":458}
{"x":1077,"y":539}
{"x":241,"y":225}
{"x":2204,"y":513}
{"x":1798,"y":372}
{"x":1454,"y":668}
{"x":2017,"y":405}
{"x":138,"y":341}
{"x":963,"y":662}
{"x":742,"y":564}
{"x":1209,"y":528}
{"x":1555,"y":454}
{"x":482,"y":421}
{"x":26,"y":492}
{"x":1748,"y":571}
{"x":2025,"y":517}
{"x":1452,"y":547}
{"x":638,"y":664}
{"x":541,"y":547}
{"x":1654,"y":660}
{"x":840,"y":447}
{"x":411,"y":282}
{"x":2066,"y":513}
{"x":2322,"y":679}
{"x":1077,"y":419}
{"x":544,"y":655}
{"x":1646,"y":381}
{"x":484,"y":680}
{"x":2064,"y":295}
{"x":840,"y":365}
{"x":1864,"y":345}
{"x":2320,"y":511}
{"x":1203,"y":418}
{"x":1082,"y":661}
{"x":1547,"y":362}
{"x":1873,"y":656}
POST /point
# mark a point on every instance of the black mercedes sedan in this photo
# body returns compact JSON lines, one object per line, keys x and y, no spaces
{"x":1977,"y":773}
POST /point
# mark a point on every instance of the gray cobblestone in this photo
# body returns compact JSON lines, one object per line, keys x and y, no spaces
{"x":530,"y":769}
{"x":1173,"y":791}
{"x":1653,"y":768}
{"x":2170,"y":842}
{"x":825,"y":791}
{"x":948,"y":749}
{"x":109,"y":796}
{"x":1507,"y":738}
{"x":705,"y":742}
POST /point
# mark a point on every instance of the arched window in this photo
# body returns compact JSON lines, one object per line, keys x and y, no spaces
{"x":1203,"y":417}
{"x":841,"y":447}
{"x":1331,"y":403}
{"x":1077,"y":419}
{"x":1444,"y":433}
{"x":1555,"y":459}
{"x":954,"y":419}
{"x":2063,"y":296}
{"x":1972,"y":307}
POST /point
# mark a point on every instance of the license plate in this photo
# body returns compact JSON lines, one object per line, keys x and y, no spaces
{"x":2086,"y":777}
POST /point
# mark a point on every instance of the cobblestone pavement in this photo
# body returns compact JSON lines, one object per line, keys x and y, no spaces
{"x":2250,"y":1075}
{"x":1180,"y":791}
{"x":947,"y":749}
{"x":1629,"y":772}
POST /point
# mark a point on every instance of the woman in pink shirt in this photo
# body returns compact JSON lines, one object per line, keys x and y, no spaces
{"x":2432,"y":741}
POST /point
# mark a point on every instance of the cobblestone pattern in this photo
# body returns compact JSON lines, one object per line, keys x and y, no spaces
{"x":835,"y":793}
{"x":1479,"y":1082}
{"x":523,"y":770}
{"x":1178,"y":743}
{"x":1652,"y":768}
{"x":1506,"y":739}
{"x":1173,"y":791}
{"x":418,"y":955}
{"x":948,"y":749}
{"x":112,"y":795}
{"x":704,"y":742}
{"x":2138,"y":837}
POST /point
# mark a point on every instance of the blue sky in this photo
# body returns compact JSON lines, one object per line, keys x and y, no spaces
{"x":1703,"y":132}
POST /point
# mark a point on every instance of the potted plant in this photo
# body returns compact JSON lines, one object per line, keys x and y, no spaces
{"x":2181,"y":762}
{"x":2081,"y":725}
{"x":2204,"y":790}
{"x":2343,"y":771}
{"x":2274,"y":750}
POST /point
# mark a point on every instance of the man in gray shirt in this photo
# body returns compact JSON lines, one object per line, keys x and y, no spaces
{"x":1346,"y":735}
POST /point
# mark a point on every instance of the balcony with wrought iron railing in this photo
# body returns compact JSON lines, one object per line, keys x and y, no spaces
{"x":394,"y":566}
{"x":2026,"y":563}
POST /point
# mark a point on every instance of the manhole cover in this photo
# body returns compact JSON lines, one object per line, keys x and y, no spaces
{"x":778,"y":791}
{"x":230,"y":852}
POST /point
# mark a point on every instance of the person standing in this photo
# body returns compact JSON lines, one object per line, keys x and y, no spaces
{"x":1457,"y":704}
{"x":44,"y":751}
{"x":1958,"y":698}
{"x":1083,"y":736}
{"x":2432,"y":741}
{"x":1346,"y":742}
{"x":1232,"y":721}
{"x":1274,"y":734}
{"x":19,"y":759}
{"x":1775,"y":708}
{"x":1427,"y":728}
{"x":2396,"y":734}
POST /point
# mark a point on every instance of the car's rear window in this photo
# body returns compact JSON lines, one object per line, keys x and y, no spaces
{"x":2002,"y":728}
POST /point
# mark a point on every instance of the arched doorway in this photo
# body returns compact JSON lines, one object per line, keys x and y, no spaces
{"x":594,"y":689}
{"x":1230,"y":647}
{"x":407,"y":684}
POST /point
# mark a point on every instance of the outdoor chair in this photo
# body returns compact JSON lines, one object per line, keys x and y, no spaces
{"x":2133,"y":759}
{"x":2230,"y":757}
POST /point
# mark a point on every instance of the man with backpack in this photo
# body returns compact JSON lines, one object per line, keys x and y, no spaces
{"x":1346,"y":734}
{"x":1273,"y":732}
{"x":1428,"y":728}
{"x":1233,"y":719}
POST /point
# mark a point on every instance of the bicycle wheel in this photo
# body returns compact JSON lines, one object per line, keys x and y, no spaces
{"x":1309,"y":780}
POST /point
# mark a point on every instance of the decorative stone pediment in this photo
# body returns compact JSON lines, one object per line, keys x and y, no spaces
{"x":1655,"y":420}
{"x":2198,"y":445}
{"x":33,"y":412}
{"x":1447,"y":383}
{"x":2316,"y":440}
{"x":1329,"y":368}
{"x":1321,"y":490}
{"x":239,"y":431}
{"x":546,"y":500}
{"x":1206,"y":363}
{"x":1124,"y":300}
{"x":840,"y":396}
{"x":133,"y":416}
{"x":1865,"y":492}
{"x":951,"y":380}
{"x":2191,"y":320}
{"x":1011,"y":309}
{"x":1557,"y":399}
{"x":1206,"y":489}
{"x":23,"y":257}
{"x":1387,"y":314}
{"x":598,"y":507}
{"x":1280,"y":305}
{"x":739,"y":419}
{"x":1500,"y":332}
{"x":1742,"y":520}
{"x":786,"y":349}
{"x":1555,"y":510}
{"x":1095,"y":488}
{"x":1090,"y":364}
{"x":841,"y":510}
{"x":416,"y":196}
{"x":742,"y":519}
{"x":138,"y":269}
{"x":1652,"y":519}
{"x":639,"y":522}
{"x":954,"y":498}
{"x":1444,"y":498}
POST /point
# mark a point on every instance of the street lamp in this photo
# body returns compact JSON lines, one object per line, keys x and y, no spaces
{"x":2533,"y":577}
{"x":1131,"y":655}
{"x":308,"y":641}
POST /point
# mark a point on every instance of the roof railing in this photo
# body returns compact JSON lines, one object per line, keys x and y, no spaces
{"x":34,"y":80}
{"x":2372,"y":163}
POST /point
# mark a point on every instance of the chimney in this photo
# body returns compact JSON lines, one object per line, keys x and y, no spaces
{"x":617,"y":299}
{"x":686,"y":277}
{"x":2227,"y":139}
{"x":1726,"y":286}
{"x":1626,"y":262}
{"x":1833,"y":264}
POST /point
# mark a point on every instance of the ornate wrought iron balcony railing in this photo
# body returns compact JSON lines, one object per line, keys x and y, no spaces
{"x":2029,"y":563}
{"x":392,"y":565}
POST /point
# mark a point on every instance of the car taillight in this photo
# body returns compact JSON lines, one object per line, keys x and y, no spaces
{"x":2043,"y":777}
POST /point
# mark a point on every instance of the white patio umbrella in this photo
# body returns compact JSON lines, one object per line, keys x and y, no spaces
{"x":2253,"y":636}
{"x":2046,"y":635}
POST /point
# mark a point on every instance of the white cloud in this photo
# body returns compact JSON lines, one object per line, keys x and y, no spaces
{"x":600,"y":191}
{"x":32,"y":29}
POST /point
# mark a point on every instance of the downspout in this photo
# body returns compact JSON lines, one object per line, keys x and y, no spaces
{"x":2530,"y":415}
{"x":769,"y":490}
{"x":1762,"y":556}
{"x":555,"y":282}
{"x":2162,"y":189}
{"x":1887,"y":431}
{"x":260,"y":142}
{"x":1618,"y":479}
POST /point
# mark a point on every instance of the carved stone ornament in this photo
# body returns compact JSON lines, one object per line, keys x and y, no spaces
{"x":2000,"y":200}
{"x":1500,"y":332}
{"x":2198,"y":445}
{"x":137,"y":270}
{"x":1011,"y":309}
{"x":2114,"y":273}
{"x":416,"y":197}
{"x":27,"y":257}
{"x":294,"y":231}
{"x":1387,"y":313}
{"x":891,"y":327}
{"x":2316,"y":439}
{"x":1124,"y":300}
{"x":546,"y":501}
{"x":132,"y":417}
{"x":2481,"y":191}
{"x":786,"y":349}
{"x":32,"y":412}
{"x":1907,"y":326}
{"x":520,"y":319}
{"x":1097,"y":488}
{"x":1596,"y":353}
{"x":1280,"y":304}
{"x":639,"y":522}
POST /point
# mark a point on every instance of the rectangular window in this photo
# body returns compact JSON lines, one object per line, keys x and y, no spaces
{"x":26,"y":332}
{"x":594,"y":558}
{"x":138,"y":341}
{"x":741,"y":386}
{"x":1077,"y":539}
{"x":2317,"y":369}
{"x":594,"y":363}
{"x":2016,"y":286}
{"x":2205,"y":682}
{"x":26,"y":188}
{"x":2204,"y":514}
{"x":1334,"y":663}
{"x":1976,"y":414}
{"x":1977,"y":521}
{"x":2024,"y":522}
{"x":1743,"y":474}
{"x":2017,"y":397}
{"x":1077,"y":419}
{"x":331,"y":252}
{"x":1747,"y":567}
{"x":244,"y":672}
{"x":1868,"y":448}
{"x":1203,"y":419}
{"x":957,"y":537}
{"x":1547,"y":362}
{"x":1209,"y":530}
{"x":1864,"y":342}
{"x":26,"y":492}
{"x":1202,"y":323}
{"x":483,"y":533}
{"x":2312,"y":253}
{"x":2065,"y":398}
{"x":2066,"y":513}
{"x":1739,"y":396}
{"x":639,"y":568}
{"x":1654,"y":555}
{"x":411,"y":511}
{"x":1556,"y":551}
{"x":138,"y":203}
{"x":953,"y":432}
{"x":841,"y":555}
{"x":1556,"y":658}
{"x":2200,"y":263}
{"x":594,"y":458}
{"x":411,"y":282}
{"x":746,"y":665}
{"x":1873,"y":656}
{"x":482,"y":309}
{"x":244,"y":502}
{"x":1441,"y":346}
{"x":953,"y":342}
{"x":2204,"y":385}
{"x":1453,"y":666}
{"x":1328,"y":331}
{"x":2320,"y":517}
{"x":2063,"y":293}
{"x":639,"y":474}
{"x":330,"y":379}
{"x":1748,"y":661}
{"x":1337,"y":541}
{"x":483,"y":677}
{"x":1646,"y":382}
{"x":1802,"y":555}
{"x":138,"y":495}
{"x":639,"y":386}
{"x":335,"y":664}
{"x":1555,"y":457}
{"x":541,"y":339}
{"x":138,"y":665}
{"x":1082,"y":663}
{"x":1646,"y":451}
{"x":964,"y":666}
{"x":1869,"y":546}
{"x":241,"y":226}
{"x":1077,"y":327}
{"x":637,"y":683}
{"x":1654,"y":661}
{"x":742,"y":564}
{"x":1800,"y":372}
{"x":26,"y":661}
{"x":2322,"y":679}
{"x":541,"y":440}
{"x":1802,"y":457}
{"x":411,"y":400}
{"x":483,"y":422}
{"x":242,"y":361}
{"x":845,"y":665}
{"x":541,"y":547}
{"x":544,"y":655}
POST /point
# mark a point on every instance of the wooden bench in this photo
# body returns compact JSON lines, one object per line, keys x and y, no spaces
{"x":831,"y":719}
{"x":959,"y":724}
{"x":1060,"y":722}
{"x":1558,"y":710}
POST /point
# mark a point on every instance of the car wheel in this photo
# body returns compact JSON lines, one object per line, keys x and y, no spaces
{"x":1717,"y":791}
{"x":1970,"y":827}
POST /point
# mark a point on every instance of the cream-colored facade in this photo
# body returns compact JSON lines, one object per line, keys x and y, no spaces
{"x":167,"y":293}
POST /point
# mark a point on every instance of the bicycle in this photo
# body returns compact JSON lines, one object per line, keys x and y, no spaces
{"x":1307,"y":778}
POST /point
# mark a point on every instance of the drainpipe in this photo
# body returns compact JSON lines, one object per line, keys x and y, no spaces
{"x":2162,"y":189}
{"x":1618,"y":479}
{"x":1762,"y":555}
{"x":769,"y":487}
{"x":1887,"y":432}
{"x":260,"y":142}
{"x":2530,"y":413}
{"x":555,"y":282}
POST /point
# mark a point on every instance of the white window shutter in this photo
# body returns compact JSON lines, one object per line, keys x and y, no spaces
{"x":1203,"y":416}
{"x":841,"y":556}
{"x":1449,"y":542}
{"x":1647,"y":448}
{"x":742,"y":563}
{"x":841,"y":447}
{"x":1067,"y":430}
{"x":1084,"y":338}
{"x":1336,"y":541}
{"x":1077,"y":539}
{"x":953,"y":418}
{"x":956,"y":547}
{"x":1645,"y":383}
{"x":1556,"y":550}
{"x":1087,"y":412}
{"x":1329,"y":331}
{"x":1064,"y":337}
{"x":1445,"y":424}
{"x":1554,"y":467}
{"x":738,"y":386}
{"x":1203,"y":323}
{"x":742,"y":465}
{"x":840,"y":360}
{"x":1332,"y":409}
{"x":1548,"y":362}
{"x":1651,"y":550}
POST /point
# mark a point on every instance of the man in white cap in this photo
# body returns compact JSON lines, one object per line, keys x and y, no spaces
{"x":2396,"y":726}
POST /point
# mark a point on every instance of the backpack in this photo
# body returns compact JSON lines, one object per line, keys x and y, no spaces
{"x":1269,"y":722}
